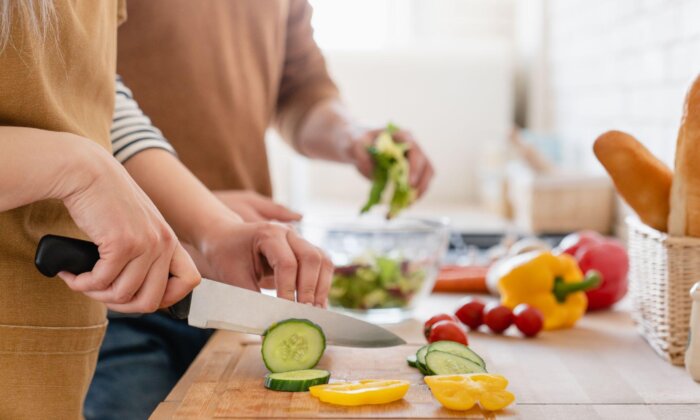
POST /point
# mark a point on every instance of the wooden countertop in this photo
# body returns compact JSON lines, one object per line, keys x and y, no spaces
{"x":602,"y":369}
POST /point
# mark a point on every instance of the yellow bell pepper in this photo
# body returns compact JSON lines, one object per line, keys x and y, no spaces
{"x":368,"y":391}
{"x":462,"y":392}
{"x":551,"y":283}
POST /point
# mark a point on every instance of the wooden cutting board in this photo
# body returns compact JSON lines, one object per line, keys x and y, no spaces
{"x":237,"y":390}
{"x":602,"y":369}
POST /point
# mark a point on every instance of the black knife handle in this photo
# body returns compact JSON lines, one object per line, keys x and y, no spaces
{"x":59,"y":253}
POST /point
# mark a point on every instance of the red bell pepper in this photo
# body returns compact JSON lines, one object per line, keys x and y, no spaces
{"x":596,"y":252}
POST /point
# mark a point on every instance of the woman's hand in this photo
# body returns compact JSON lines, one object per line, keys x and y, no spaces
{"x":142,"y":265}
{"x":267,"y":255}
{"x":137,"y":248}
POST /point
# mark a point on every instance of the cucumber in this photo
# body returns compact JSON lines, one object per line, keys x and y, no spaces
{"x":442,"y":363}
{"x":420,"y":360}
{"x":292,"y":344}
{"x":296,"y":380}
{"x":412,"y":360}
{"x":458,"y":349}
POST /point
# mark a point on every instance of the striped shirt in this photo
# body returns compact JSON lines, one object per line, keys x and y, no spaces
{"x":132,"y":131}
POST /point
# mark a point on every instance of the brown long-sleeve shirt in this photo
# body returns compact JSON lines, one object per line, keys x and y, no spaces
{"x":214,"y":74}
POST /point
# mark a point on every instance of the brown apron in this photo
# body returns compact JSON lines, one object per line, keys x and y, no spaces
{"x":50,"y":335}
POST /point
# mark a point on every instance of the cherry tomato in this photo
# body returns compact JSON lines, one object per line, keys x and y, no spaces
{"x":498,"y":317}
{"x":471,"y":313}
{"x":529,"y":320}
{"x":448,"y":331}
{"x":439,"y":317}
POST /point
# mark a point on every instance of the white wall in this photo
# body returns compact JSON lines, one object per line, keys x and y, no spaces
{"x":623,"y":64}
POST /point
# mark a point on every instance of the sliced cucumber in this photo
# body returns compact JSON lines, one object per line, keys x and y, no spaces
{"x":442,"y":363}
{"x":296,"y":380}
{"x":293,"y":344}
{"x":412,"y":360}
{"x":420,"y":360}
{"x":458,"y":349}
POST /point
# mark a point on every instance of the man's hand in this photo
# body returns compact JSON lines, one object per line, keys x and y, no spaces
{"x":421,"y":170}
{"x":253,"y":207}
{"x":329,"y":132}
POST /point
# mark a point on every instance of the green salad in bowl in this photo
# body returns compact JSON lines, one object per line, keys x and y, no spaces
{"x":383,"y":267}
{"x":376,"y":282}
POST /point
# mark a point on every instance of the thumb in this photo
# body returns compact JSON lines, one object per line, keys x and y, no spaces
{"x":184,"y":277}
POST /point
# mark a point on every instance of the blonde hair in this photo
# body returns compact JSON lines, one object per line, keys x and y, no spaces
{"x":37,"y":15}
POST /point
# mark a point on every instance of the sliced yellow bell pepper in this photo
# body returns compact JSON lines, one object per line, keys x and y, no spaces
{"x":489,"y":381}
{"x":496,"y":400}
{"x":462,"y":392}
{"x":367,"y":391}
{"x":551,"y":283}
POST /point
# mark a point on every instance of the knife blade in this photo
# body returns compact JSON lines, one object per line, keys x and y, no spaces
{"x":217,"y":305}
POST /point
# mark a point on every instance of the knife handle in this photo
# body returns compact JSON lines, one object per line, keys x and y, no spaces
{"x":59,"y":253}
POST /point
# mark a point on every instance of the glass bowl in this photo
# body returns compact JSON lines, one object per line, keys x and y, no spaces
{"x":383,"y":267}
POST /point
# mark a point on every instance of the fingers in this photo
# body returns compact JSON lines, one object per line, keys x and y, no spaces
{"x":424,"y":180}
{"x":421,"y":170}
{"x":149,"y":296}
{"x":279,"y":255}
{"x":248,"y":214}
{"x":183,"y":277}
{"x":131,"y":293}
{"x":126,"y":285}
{"x":267,"y":282}
{"x":361,"y":157}
{"x":324,"y":282}
{"x":297,"y":265}
{"x":253,"y":207}
{"x":269,"y":210}
{"x":113,"y":261}
{"x":310,"y":260}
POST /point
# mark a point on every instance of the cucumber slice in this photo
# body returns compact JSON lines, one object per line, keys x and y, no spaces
{"x":412,"y":360}
{"x":420,"y":360}
{"x":420,"y":355}
{"x":458,"y":349}
{"x":296,"y":380}
{"x":423,"y":370}
{"x":293,"y":344}
{"x":442,"y":363}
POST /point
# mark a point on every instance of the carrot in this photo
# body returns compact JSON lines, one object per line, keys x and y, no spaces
{"x":461,"y":279}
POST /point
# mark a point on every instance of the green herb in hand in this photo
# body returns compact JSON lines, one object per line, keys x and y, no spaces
{"x":390,"y":168}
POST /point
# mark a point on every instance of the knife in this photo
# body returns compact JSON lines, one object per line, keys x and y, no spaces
{"x":218,"y":305}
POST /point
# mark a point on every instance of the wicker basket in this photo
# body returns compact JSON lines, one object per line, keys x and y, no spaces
{"x":561,"y":203}
{"x":662,"y":271}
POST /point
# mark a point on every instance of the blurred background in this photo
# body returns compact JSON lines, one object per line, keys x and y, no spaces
{"x":507,"y":97}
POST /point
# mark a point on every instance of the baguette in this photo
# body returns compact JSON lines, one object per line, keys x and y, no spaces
{"x":684,"y":218}
{"x":643,"y":181}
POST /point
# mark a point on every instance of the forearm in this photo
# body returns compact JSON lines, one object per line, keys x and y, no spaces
{"x":187,"y":205}
{"x":40,"y":164}
{"x":327,"y":132}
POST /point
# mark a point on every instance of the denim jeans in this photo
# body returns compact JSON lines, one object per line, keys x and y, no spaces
{"x":140,"y":361}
